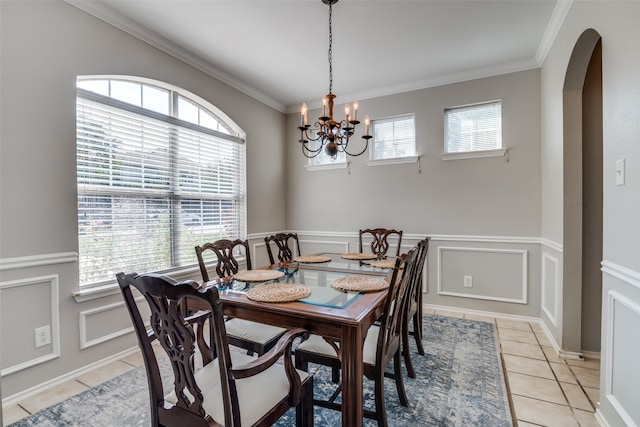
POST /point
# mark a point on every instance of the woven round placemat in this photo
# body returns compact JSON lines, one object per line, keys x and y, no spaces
{"x":360,"y":284}
{"x":256,"y":276}
{"x":359,"y":256}
{"x":278,"y":292}
{"x":384,"y":263}
{"x":312,"y":259}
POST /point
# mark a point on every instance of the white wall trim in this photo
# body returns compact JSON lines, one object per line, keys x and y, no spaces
{"x":84,"y":315}
{"x":525,"y":280}
{"x":553,"y":27}
{"x":624,"y":274}
{"x":434,"y":237}
{"x":54,"y":321}
{"x":37,"y":260}
{"x":553,"y":313}
{"x":551,"y":244}
{"x":612,"y":298}
{"x":39,"y":388}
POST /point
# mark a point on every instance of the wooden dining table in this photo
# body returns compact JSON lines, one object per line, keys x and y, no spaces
{"x":344,"y":317}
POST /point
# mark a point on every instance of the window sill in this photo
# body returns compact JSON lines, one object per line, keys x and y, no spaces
{"x":327,"y":166}
{"x":501,"y":152}
{"x":398,"y":160}
{"x":89,"y":293}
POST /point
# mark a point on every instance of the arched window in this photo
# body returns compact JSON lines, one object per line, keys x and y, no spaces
{"x":159,"y":171}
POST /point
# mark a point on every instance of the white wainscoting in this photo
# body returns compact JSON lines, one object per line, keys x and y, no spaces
{"x":621,"y":368}
{"x":109,"y":309}
{"x":54,"y":320}
{"x":551,"y":296}
{"x":500,"y":259}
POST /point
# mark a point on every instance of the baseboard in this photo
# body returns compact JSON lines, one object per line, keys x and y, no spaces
{"x":600,"y":419}
{"x":30,"y":392}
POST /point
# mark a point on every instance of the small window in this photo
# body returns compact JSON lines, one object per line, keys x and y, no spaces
{"x":474,"y":129}
{"x":323,"y":160}
{"x":394,"y":138}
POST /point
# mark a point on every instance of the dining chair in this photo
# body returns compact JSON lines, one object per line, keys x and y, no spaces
{"x":381,"y":346}
{"x":287,"y":245}
{"x":228,"y":387}
{"x":252,"y":336}
{"x":380,"y":240}
{"x":414,"y":308}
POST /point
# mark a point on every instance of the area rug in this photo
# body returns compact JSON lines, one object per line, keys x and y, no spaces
{"x":459,"y":383}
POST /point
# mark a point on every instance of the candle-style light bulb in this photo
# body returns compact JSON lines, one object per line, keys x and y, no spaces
{"x":366,"y":125}
{"x":355,"y":111}
{"x":303,"y":114}
{"x":324,"y":106}
{"x":346,"y":112}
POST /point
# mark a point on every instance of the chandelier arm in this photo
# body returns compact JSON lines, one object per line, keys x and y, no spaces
{"x":366,"y":144}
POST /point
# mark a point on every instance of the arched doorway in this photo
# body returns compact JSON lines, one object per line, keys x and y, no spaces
{"x":582,"y":205}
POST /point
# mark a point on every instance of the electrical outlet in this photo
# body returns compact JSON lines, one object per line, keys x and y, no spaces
{"x":43,"y":336}
{"x":468,"y":281}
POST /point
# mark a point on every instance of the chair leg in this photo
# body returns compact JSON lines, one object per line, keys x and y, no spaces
{"x":397,"y":368}
{"x":381,"y":412}
{"x":406,"y":352}
{"x":417,"y":332}
{"x":304,"y":409}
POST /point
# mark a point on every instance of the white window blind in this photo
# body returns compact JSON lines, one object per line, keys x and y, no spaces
{"x":473,"y":128}
{"x":150,"y":188}
{"x":394,"y":138}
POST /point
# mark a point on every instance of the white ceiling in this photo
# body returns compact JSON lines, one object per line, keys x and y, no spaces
{"x":276,"y":50}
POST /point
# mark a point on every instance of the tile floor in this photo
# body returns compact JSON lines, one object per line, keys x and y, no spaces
{"x":544,"y":389}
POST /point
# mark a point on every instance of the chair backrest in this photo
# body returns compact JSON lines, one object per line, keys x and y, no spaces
{"x":178,"y":331}
{"x":416,"y":287}
{"x":391,"y":322}
{"x":286,"y":244}
{"x":224,"y":249}
{"x":380,"y":240}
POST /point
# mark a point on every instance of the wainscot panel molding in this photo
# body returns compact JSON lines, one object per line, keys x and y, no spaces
{"x":551,"y":245}
{"x":54,"y":321}
{"x":505,"y":254}
{"x":551,"y":288}
{"x":37,"y":260}
{"x":624,"y":274}
{"x":85,"y":318}
{"x":621,"y":376}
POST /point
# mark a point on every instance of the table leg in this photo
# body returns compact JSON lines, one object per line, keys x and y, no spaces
{"x":351,"y":364}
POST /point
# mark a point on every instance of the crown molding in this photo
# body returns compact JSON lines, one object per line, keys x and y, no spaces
{"x":558,"y":16}
{"x":111,"y":17}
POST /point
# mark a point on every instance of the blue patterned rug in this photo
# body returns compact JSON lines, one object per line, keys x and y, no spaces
{"x":459,"y":383}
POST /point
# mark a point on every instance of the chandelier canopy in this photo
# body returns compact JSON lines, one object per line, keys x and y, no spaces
{"x":330,"y":134}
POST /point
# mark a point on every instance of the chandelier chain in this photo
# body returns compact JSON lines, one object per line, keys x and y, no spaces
{"x":330,"y":52}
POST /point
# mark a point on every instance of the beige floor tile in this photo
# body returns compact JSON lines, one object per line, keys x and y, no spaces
{"x":585,"y":418}
{"x":563,"y":373}
{"x":586,"y":363}
{"x":536,"y":388}
{"x":526,"y":424}
{"x":52,"y":396}
{"x":480,"y":318}
{"x":594,"y":396}
{"x":134,"y":359}
{"x":104,"y":373}
{"x":543,"y":340}
{"x":12,"y":414}
{"x":510,"y":334}
{"x":543,"y":413}
{"x":576,"y":397}
{"x":522,"y":349}
{"x":537,"y":328}
{"x":552,"y":355}
{"x":525,"y":365}
{"x":513,"y":324}
{"x":587,"y":377}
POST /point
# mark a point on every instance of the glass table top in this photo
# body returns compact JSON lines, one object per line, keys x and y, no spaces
{"x":319,"y":281}
{"x":339,"y":263}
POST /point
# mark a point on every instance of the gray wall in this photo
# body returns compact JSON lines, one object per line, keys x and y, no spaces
{"x":616,"y":22}
{"x":483,"y":214}
{"x":45,"y":45}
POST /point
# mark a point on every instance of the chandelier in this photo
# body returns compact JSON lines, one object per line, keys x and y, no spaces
{"x":330,"y":134}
